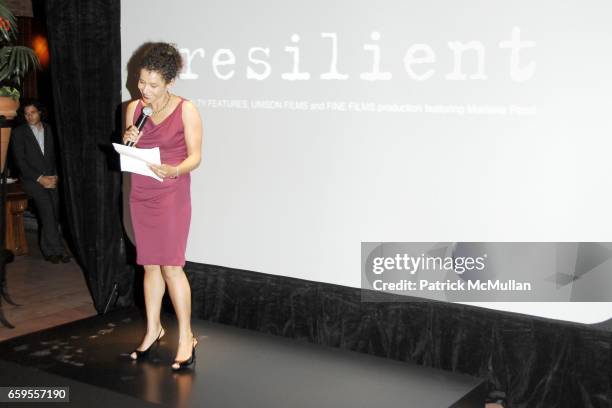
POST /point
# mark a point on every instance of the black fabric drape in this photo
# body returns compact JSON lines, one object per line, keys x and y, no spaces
{"x":85,"y":53}
{"x":538,"y":363}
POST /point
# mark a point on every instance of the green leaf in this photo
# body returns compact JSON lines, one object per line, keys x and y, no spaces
{"x":15,"y":62}
{"x":7,"y":14}
{"x":10,"y":92}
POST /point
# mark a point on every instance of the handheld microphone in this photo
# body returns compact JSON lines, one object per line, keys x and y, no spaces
{"x":142,"y":119}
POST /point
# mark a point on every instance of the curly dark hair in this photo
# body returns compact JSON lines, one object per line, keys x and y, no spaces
{"x":163,"y":58}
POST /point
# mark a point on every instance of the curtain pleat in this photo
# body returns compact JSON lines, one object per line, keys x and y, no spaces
{"x":85,"y":53}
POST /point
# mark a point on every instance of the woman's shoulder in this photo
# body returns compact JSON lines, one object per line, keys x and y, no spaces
{"x":190,"y":113}
{"x":133,"y":104}
{"x":188,"y":106}
{"x":130,"y":111}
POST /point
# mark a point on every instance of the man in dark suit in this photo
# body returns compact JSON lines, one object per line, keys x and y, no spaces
{"x":34,"y":153}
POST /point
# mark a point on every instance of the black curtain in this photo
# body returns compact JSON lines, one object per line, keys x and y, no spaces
{"x":536,"y":362}
{"x":85,"y":54}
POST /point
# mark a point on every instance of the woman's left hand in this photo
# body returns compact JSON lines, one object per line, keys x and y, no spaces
{"x":163,"y":170}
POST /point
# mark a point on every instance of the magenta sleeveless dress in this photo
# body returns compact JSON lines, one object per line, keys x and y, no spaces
{"x":161,"y":210}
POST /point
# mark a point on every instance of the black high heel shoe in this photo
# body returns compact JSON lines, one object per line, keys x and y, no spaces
{"x":143,"y":353}
{"x":179,"y":365}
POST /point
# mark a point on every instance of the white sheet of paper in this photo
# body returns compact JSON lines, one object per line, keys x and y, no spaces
{"x":136,"y":160}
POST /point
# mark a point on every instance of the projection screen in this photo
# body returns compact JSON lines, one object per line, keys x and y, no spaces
{"x":328,"y":124}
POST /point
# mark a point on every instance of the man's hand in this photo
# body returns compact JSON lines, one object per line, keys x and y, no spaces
{"x":48,"y":181}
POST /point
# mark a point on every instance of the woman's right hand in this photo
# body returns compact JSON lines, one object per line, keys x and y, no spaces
{"x":132,"y":135}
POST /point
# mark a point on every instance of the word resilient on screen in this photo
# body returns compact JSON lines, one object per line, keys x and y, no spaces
{"x":418,"y":61}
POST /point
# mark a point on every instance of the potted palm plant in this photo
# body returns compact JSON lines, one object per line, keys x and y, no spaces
{"x":16,"y":61}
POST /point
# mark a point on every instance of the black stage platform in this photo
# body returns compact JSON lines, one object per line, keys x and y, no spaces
{"x":235,"y":368}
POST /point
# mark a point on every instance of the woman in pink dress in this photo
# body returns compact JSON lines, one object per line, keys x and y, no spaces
{"x":161,"y":210}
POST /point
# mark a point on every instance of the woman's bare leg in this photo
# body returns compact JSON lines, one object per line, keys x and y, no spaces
{"x":154,"y":288}
{"x":180,"y":294}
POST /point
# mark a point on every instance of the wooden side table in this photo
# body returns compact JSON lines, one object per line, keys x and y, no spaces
{"x":16,"y":203}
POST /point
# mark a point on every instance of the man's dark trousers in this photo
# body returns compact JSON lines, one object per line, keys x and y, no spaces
{"x":32,"y":164}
